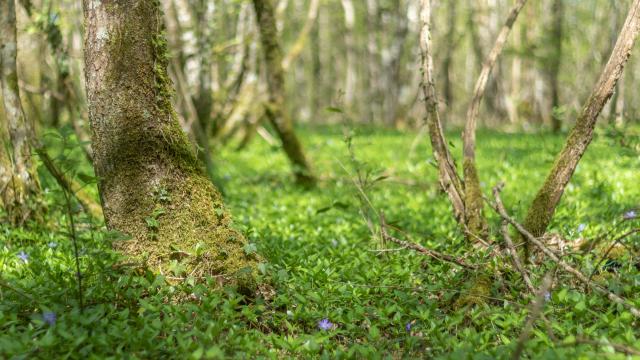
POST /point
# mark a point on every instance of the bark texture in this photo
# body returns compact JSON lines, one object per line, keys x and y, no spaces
{"x":276,"y":110}
{"x":544,"y":204}
{"x":19,"y":185}
{"x":474,"y":204}
{"x":151,"y":185}
{"x":448,"y":177}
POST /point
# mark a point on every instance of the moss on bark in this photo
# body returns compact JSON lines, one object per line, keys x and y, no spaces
{"x":151,"y":183}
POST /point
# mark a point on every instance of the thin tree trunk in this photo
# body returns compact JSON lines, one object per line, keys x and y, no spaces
{"x":448,"y":58}
{"x":350,"y":71}
{"x":303,"y":35}
{"x":276,"y":110}
{"x":373,"y":61}
{"x":474,"y":203}
{"x":24,"y":183}
{"x":554,"y":64}
{"x":544,"y":204}
{"x":151,"y":185}
{"x":448,"y":177}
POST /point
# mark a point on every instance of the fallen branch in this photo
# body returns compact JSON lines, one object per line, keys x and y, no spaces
{"x":514,"y":255}
{"x":499,"y":207}
{"x":15,"y":290}
{"x":606,"y":253}
{"x":421,"y":249}
{"x":536,"y":311}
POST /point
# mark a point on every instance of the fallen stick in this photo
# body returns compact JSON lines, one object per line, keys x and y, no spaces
{"x":421,"y":249}
{"x":536,"y":310}
{"x":499,"y":207}
{"x":514,"y":255}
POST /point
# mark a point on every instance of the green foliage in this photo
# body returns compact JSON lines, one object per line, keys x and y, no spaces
{"x":323,"y":264}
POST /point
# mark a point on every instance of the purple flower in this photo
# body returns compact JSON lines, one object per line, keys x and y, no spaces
{"x":630,"y":215}
{"x":49,"y":317}
{"x":23,"y":256}
{"x":547,"y":296}
{"x":408,"y":326}
{"x":325,"y":324}
{"x":581,"y":227}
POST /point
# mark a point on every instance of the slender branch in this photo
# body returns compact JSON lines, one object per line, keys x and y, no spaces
{"x":15,"y":290}
{"x":606,"y":253}
{"x":421,"y":249}
{"x":499,"y":207}
{"x":447,"y":173}
{"x":514,"y":255}
{"x":474,"y":217}
{"x":534,"y":314}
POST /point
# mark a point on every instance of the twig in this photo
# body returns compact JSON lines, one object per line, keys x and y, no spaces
{"x":606,"y":253}
{"x":421,"y":249}
{"x":617,"y":347}
{"x":15,"y":290}
{"x":514,"y":255}
{"x":499,"y":207}
{"x":536,"y":311}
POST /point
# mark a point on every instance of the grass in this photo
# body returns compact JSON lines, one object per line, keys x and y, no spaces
{"x":323,"y":264}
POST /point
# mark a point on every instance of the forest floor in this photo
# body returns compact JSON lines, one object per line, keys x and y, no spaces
{"x":336,"y":294}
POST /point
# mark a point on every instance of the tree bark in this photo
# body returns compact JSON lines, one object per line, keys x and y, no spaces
{"x":554,"y":63}
{"x":544,"y":204}
{"x":448,"y":177}
{"x":474,"y":203}
{"x":350,"y":71}
{"x":276,"y":110}
{"x":19,"y":180}
{"x":151,"y":185}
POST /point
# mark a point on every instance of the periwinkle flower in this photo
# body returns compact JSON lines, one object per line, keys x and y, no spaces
{"x":581,"y":227}
{"x":325,"y":324}
{"x":408,"y":326}
{"x":630,"y":215}
{"x":52,"y":245}
{"x":49,"y":317}
{"x":23,"y":256}
{"x":547,"y":296}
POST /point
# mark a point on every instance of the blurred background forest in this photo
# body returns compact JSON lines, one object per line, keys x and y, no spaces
{"x":357,"y":56}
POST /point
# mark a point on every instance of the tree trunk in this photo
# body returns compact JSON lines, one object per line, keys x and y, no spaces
{"x":276,"y":109}
{"x":448,"y":177}
{"x":350,"y":71}
{"x":23,"y":187}
{"x":474,"y":203}
{"x":544,"y":204}
{"x":554,"y":63}
{"x":448,"y":58}
{"x":151,"y":185}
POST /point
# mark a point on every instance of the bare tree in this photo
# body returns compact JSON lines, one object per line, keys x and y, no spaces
{"x":276,"y":110}
{"x":544,"y":204}
{"x":448,"y":177}
{"x":474,"y":203}
{"x":19,"y":184}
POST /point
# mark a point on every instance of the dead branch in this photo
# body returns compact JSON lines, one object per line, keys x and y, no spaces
{"x":499,"y":207}
{"x":514,"y":255}
{"x":421,"y":249}
{"x":534,"y":314}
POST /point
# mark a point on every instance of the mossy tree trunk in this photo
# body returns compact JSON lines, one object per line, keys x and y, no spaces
{"x":544,"y":204}
{"x":474,"y":203}
{"x":19,"y":183}
{"x":150,"y":183}
{"x":276,"y":109}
